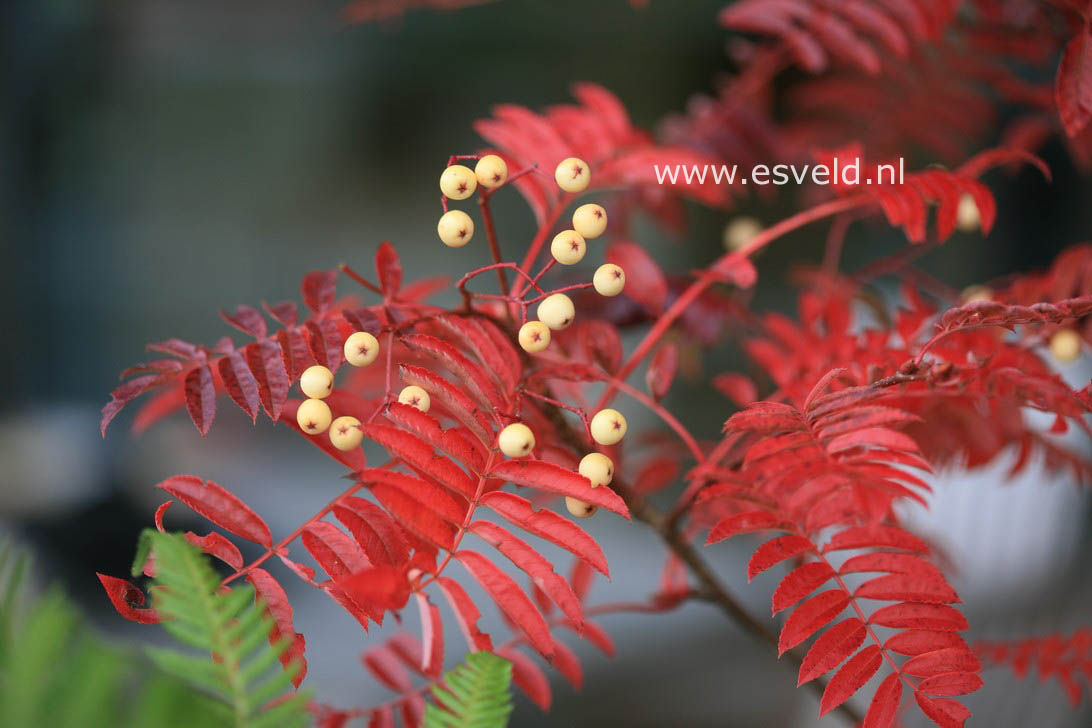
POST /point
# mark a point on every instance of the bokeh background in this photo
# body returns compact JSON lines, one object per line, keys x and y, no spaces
{"x":161,"y":160}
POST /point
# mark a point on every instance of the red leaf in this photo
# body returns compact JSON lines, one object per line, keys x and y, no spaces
{"x":918,"y":642}
{"x":219,"y":506}
{"x":201,"y":398}
{"x":267,"y":366}
{"x":373,"y":529}
{"x":747,"y":522}
{"x":853,"y":675}
{"x":661,"y":371}
{"x":810,"y":617}
{"x":736,"y":387}
{"x":645,"y":282}
{"x":567,"y":663}
{"x":511,"y":599}
{"x":469,"y":373}
{"x":951,"y":683}
{"x":318,"y":290}
{"x":907,"y":588}
{"x":337,"y":554}
{"x":1073,"y":89}
{"x":548,"y":525}
{"x":123,"y":595}
{"x":949,"y":659}
{"x":936,"y":617}
{"x":862,"y":537}
{"x":765,"y":418}
{"x":800,"y":582}
{"x":432,"y":637}
{"x":295,"y":351}
{"x":285,"y":313}
{"x":125,"y":394}
{"x":527,"y":677}
{"x":240,"y":383}
{"x":945,"y":713}
{"x":385,"y":586}
{"x":493,"y":350}
{"x":885,"y":703}
{"x":458,"y":443}
{"x":247,"y":320}
{"x":454,"y":400}
{"x":736,"y":270}
{"x":419,"y":455}
{"x":415,"y":511}
{"x":466,"y":614}
{"x":325,"y":342}
{"x":213,"y":544}
{"x":384,"y":664}
{"x":835,"y":645}
{"x":774,"y":552}
{"x":556,"y":479}
{"x":892,"y":563}
{"x":276,"y":601}
{"x":879,"y":437}
{"x":389,"y":269}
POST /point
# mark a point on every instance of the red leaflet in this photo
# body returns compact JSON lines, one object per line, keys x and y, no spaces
{"x":567,"y":663}
{"x":373,"y":529}
{"x":318,"y":290}
{"x":384,"y":586}
{"x":286,"y":313}
{"x":467,"y":371}
{"x":267,"y":366}
{"x":466,"y":614}
{"x":325,"y":342}
{"x":861,"y":537}
{"x":1073,"y":89}
{"x":270,"y":592}
{"x":661,"y":371}
{"x":125,"y":394}
{"x":645,"y":282}
{"x":124,"y":595}
{"x":918,"y":642}
{"x":219,"y":506}
{"x":535,"y":565}
{"x":495,"y":353}
{"x":454,"y":400}
{"x":853,"y":675}
{"x":936,"y":617}
{"x":879,"y":437}
{"x":336,"y":553}
{"x":932,"y":589}
{"x":747,"y":522}
{"x":384,"y":664}
{"x":511,"y":599}
{"x":247,"y":320}
{"x":240,"y":383}
{"x":945,"y":713}
{"x":890,"y":562}
{"x":766,"y":418}
{"x":201,"y":398}
{"x":556,"y":479}
{"x":800,"y":582}
{"x":354,"y":460}
{"x":949,"y":659}
{"x":417,"y":515}
{"x":528,"y":677}
{"x":213,"y":544}
{"x":457,"y":443}
{"x":419,"y":455}
{"x":810,"y":617}
{"x":774,"y":552}
{"x":736,"y":270}
{"x":432,"y":637}
{"x":951,"y":683}
{"x":389,"y":269}
{"x":885,"y":703}
{"x":548,"y":525}
{"x":295,"y":351}
{"x":833,"y":646}
{"x":739,"y":388}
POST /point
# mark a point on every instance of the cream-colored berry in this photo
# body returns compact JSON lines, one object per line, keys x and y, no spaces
{"x":1065,"y":345}
{"x":317,"y":382}
{"x":534,"y":336}
{"x":516,"y":440}
{"x":968,"y":218}
{"x":579,"y":508}
{"x":455,"y":228}
{"x":491,"y":171}
{"x":740,"y":231}
{"x":313,"y":416}
{"x":556,"y":311}
{"x":458,"y":182}
{"x":609,"y":279}
{"x":608,"y":427}
{"x":361,"y":349}
{"x":590,"y":220}
{"x":572,"y":175}
{"x":598,"y":468}
{"x":414,"y":396}
{"x":975,"y":293}
{"x":568,"y":247}
{"x":345,"y":433}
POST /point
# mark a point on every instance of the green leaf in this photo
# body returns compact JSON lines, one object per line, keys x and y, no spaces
{"x":475,"y":695}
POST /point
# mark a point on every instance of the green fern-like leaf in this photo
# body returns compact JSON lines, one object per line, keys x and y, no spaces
{"x":230,"y":630}
{"x":474,"y":695}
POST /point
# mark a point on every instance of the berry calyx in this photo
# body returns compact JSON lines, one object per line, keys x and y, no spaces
{"x":968,"y":218}
{"x":568,"y":247}
{"x":455,"y":228}
{"x":491,"y":171}
{"x":590,"y":220}
{"x":534,"y":336}
{"x":345,"y":433}
{"x":516,"y":440}
{"x":557,"y":311}
{"x":609,"y":279}
{"x":740,"y":231}
{"x":598,"y":468}
{"x":572,"y":175}
{"x":579,"y":508}
{"x":1065,"y":345}
{"x":608,"y":427}
{"x":414,"y":396}
{"x":458,"y":182}
{"x":361,"y":349}
{"x":313,"y":416}
{"x":317,"y":382}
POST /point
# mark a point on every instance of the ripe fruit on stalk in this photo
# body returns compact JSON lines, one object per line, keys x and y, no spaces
{"x":579,"y":508}
{"x":572,"y":175}
{"x":740,"y":231}
{"x":345,"y":433}
{"x":590,"y":220}
{"x":458,"y":182}
{"x":534,"y":336}
{"x":609,"y":280}
{"x":556,"y":311}
{"x":598,"y":468}
{"x":968,"y":218}
{"x":317,"y":382}
{"x":516,"y":440}
{"x":608,"y":427}
{"x":491,"y":171}
{"x":361,"y":349}
{"x":455,"y":228}
{"x":568,"y":247}
{"x":313,"y":416}
{"x":414,"y":396}
{"x":1065,"y":345}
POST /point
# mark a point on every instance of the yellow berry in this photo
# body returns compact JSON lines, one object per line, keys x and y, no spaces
{"x":313,"y":416}
{"x":361,"y":349}
{"x":598,"y":468}
{"x":568,"y":247}
{"x":608,"y":427}
{"x":345,"y":433}
{"x":579,"y":508}
{"x":556,"y":311}
{"x":967,"y":216}
{"x":516,"y":440}
{"x":455,"y":228}
{"x":534,"y":336}
{"x":458,"y":182}
{"x":572,"y":175}
{"x":491,"y":171}
{"x":1065,"y":345}
{"x":317,"y":382}
{"x":414,"y":396}
{"x":975,"y":293}
{"x":590,"y":220}
{"x":609,"y":279}
{"x":740,"y":231}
